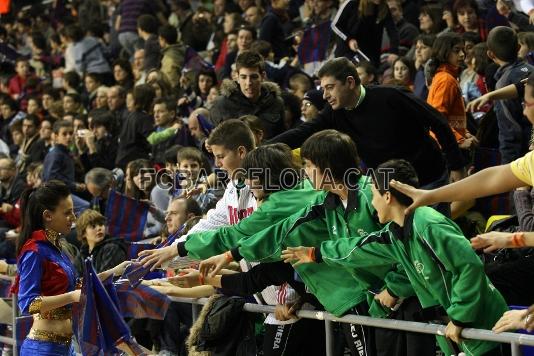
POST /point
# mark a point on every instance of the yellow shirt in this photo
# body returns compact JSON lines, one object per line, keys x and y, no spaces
{"x":523,"y":168}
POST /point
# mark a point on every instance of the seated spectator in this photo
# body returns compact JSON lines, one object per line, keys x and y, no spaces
{"x":526,"y":47}
{"x":403,"y":73}
{"x":275,"y":27}
{"x":292,"y":113}
{"x":34,"y":107}
{"x":430,"y":19}
{"x":117,"y":107}
{"x":423,"y":52}
{"x":32,"y":148}
{"x":11,"y":184}
{"x":251,"y":96}
{"x":71,"y":82}
{"x":299,"y":84}
{"x":19,"y":84}
{"x":367,"y":72}
{"x":86,"y":51}
{"x":15,"y":131}
{"x":100,"y":147}
{"x":45,"y":134}
{"x":99,"y":181}
{"x":72,"y":104}
{"x":105,"y":251}
{"x":123,"y":74}
{"x":58,"y":163}
{"x":190,"y":163}
{"x":169,"y":131}
{"x":147,"y":28}
{"x":101,"y":99}
{"x":407,"y":31}
{"x":245,"y":37}
{"x":92,"y":83}
{"x":136,"y":128}
{"x":200,"y":126}
{"x":172,"y":54}
{"x":312,"y":104}
{"x":466,"y":14}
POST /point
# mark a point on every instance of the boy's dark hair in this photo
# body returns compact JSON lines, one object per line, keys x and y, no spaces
{"x":460,"y":4}
{"x":368,"y":67}
{"x":253,"y":122}
{"x":527,"y":38}
{"x":427,"y":39}
{"x":105,"y":119}
{"x":471,"y":37}
{"x":231,"y":134}
{"x":12,"y":103}
{"x":190,"y":153}
{"x":168,"y":33}
{"x":171,"y":153}
{"x":331,"y":150}
{"x":250,"y":59}
{"x":72,"y":79}
{"x":340,"y":69}
{"x":249,"y":29}
{"x":143,"y":96}
{"x":148,"y":23}
{"x":191,"y":206}
{"x":170,"y":104}
{"x":502,"y":41}
{"x":95,"y":76}
{"x":399,"y":170}
{"x":54,"y":93}
{"x":39,"y":41}
{"x":58,"y":125}
{"x":262,"y":47}
{"x":74,"y":32}
{"x":75,"y":97}
{"x":15,"y":127}
{"x":273,"y":166}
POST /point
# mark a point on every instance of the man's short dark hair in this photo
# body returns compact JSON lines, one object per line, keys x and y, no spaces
{"x":148,"y":23}
{"x":75,"y":97}
{"x":168,"y":33}
{"x":262,"y":47}
{"x":171,"y":153}
{"x":34,"y":119}
{"x":170,"y":104}
{"x":74,"y":32}
{"x":72,"y":79}
{"x":250,"y":59}
{"x":191,"y":206}
{"x":502,"y":41}
{"x":231,"y":134}
{"x":281,"y":172}
{"x":58,"y":125}
{"x":189,"y":153}
{"x":104,"y":119}
{"x":331,"y":150}
{"x":399,"y":170}
{"x":339,"y":68}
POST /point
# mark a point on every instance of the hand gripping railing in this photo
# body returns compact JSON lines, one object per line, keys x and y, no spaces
{"x":515,"y":340}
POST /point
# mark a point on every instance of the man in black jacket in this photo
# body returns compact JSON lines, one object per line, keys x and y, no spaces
{"x":252,"y":95}
{"x":385,"y":123}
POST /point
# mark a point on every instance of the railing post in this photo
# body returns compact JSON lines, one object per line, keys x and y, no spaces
{"x":516,"y":350}
{"x":329,"y":338}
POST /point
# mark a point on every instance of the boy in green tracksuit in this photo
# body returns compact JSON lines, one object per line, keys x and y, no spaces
{"x":345,"y":211}
{"x":439,"y":261}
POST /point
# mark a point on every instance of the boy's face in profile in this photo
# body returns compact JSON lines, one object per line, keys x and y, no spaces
{"x":381,"y":204}
{"x":64,"y":136}
{"x":229,"y":160}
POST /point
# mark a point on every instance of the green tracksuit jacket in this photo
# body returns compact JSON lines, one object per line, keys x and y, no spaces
{"x":276,"y":207}
{"x":440,"y":263}
{"x":338,"y":290}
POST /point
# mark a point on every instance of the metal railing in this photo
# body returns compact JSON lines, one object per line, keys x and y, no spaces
{"x":514,"y":339}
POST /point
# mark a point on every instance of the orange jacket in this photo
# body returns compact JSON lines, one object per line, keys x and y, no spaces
{"x":446,"y":97}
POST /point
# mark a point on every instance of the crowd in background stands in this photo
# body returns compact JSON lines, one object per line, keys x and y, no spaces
{"x":94,"y":92}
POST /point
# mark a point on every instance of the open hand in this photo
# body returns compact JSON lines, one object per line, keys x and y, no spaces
{"x":492,"y":241}
{"x":298,"y":255}
{"x":155,"y":258}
